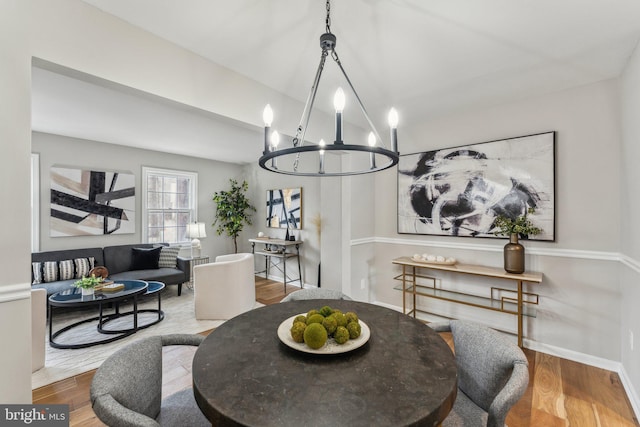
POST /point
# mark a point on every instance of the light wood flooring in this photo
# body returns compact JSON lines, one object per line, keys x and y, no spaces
{"x":560,"y":392}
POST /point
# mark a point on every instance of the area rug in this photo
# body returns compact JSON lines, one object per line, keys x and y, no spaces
{"x":179,"y":317}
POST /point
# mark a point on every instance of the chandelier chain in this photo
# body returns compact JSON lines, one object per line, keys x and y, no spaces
{"x":328,"y":19}
{"x":308,"y":106}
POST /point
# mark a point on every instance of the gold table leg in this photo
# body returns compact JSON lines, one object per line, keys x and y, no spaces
{"x":520,"y":313}
{"x":414,"y":287}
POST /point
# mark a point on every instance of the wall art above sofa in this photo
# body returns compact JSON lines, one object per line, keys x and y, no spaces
{"x":460,"y":191}
{"x":87,"y":202}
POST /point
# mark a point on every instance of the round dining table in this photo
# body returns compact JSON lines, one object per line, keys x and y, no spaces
{"x":404,"y":375}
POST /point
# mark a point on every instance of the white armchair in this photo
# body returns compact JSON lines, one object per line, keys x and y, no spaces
{"x":225,"y":288}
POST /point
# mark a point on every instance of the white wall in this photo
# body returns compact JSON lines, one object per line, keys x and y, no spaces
{"x":15,"y":130}
{"x":212,"y":176}
{"x":580,"y":293}
{"x":630,"y":227}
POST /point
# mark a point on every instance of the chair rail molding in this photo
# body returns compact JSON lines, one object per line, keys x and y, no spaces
{"x":14,"y":292}
{"x":630,"y":262}
{"x":565,"y":253}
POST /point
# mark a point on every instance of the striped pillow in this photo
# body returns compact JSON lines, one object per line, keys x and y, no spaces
{"x":66,"y":269}
{"x":36,"y":268}
{"x":49,"y":271}
{"x":84,"y":266}
{"x":168,"y":256}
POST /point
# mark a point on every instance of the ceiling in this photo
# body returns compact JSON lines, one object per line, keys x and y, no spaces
{"x":425,"y":57}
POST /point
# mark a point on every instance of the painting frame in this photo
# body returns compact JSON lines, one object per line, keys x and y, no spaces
{"x":458,"y":191}
{"x":284,"y":208}
{"x":91,"y":202}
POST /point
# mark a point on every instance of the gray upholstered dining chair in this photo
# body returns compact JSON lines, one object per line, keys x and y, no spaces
{"x":306,"y":294}
{"x":493,"y":374}
{"x":127,"y":388}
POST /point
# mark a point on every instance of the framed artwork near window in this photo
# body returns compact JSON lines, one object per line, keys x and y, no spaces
{"x":460,"y":191}
{"x":284,"y":208}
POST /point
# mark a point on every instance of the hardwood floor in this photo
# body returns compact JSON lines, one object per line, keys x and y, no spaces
{"x":560,"y":392}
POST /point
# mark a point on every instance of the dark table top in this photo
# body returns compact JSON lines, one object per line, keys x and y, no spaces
{"x":404,"y":375}
{"x":74,"y":298}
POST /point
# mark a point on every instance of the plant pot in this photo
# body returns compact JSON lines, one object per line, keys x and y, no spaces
{"x":514,"y":256}
{"x":87,"y":291}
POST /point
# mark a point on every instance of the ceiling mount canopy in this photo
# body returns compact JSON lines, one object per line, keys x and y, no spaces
{"x":287,"y":160}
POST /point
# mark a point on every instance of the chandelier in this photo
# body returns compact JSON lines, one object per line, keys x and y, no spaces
{"x":366,"y":158}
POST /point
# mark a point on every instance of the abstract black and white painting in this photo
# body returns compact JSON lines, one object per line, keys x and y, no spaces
{"x":284,"y":208}
{"x":86,"y":202}
{"x":460,"y":191}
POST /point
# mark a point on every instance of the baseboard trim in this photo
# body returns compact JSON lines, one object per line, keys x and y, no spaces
{"x":389,"y":306}
{"x":564,"y":353}
{"x":634,"y":399}
{"x":279,"y":279}
{"x":15,"y":292}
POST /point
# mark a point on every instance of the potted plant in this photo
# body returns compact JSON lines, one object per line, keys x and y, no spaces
{"x":233,"y":210}
{"x":520,"y":227}
{"x":88,"y":284}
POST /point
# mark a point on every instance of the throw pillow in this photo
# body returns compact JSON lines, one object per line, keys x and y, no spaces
{"x":66,"y":270}
{"x":145,"y":258}
{"x":83,"y":266}
{"x":36,"y":268}
{"x":49,"y":271}
{"x":168,"y":256}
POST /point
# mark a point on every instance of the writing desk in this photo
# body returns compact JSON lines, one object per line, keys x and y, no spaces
{"x":278,"y":249}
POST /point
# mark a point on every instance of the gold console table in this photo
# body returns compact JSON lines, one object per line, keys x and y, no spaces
{"x":519,"y":303}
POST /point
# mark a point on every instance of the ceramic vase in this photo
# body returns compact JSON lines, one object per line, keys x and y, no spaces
{"x":514,"y":255}
{"x":87,"y":291}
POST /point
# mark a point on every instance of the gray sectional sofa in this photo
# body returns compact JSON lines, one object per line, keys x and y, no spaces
{"x":119,"y":260}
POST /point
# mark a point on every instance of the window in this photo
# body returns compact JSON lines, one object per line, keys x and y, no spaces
{"x":170,"y":201}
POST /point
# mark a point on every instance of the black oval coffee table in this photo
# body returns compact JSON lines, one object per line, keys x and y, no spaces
{"x":153,"y":288}
{"x":73,"y":298}
{"x":243,"y":375}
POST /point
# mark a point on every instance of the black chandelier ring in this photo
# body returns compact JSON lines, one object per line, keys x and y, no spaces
{"x":269,"y":162}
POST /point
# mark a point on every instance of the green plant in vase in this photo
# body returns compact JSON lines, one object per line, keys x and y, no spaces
{"x":88,"y":283}
{"x":520,"y":227}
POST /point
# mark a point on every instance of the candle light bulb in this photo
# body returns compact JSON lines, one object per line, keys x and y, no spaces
{"x":267,"y":115}
{"x":338,"y":100}
{"x":372,"y":139}
{"x":393,"y":124}
{"x":321,"y":151}
{"x":275,"y":139}
{"x":393,"y":118}
{"x":372,"y":155}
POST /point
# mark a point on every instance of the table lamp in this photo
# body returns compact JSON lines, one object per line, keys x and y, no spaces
{"x":196,"y":231}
